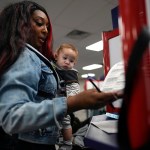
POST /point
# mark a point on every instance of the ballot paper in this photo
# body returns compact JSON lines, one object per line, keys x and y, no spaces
{"x":115,"y":81}
{"x":109,"y":126}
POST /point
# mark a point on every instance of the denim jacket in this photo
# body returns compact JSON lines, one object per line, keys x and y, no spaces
{"x":35,"y":117}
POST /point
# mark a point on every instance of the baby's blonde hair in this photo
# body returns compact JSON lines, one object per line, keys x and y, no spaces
{"x":67,"y":45}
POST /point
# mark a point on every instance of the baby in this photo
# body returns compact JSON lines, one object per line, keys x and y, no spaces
{"x":65,"y":59}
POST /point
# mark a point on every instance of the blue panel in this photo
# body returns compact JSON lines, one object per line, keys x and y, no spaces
{"x":114,"y":14}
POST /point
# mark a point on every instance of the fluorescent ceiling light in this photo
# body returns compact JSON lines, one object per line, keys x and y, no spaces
{"x":98,"y":46}
{"x":88,"y":75}
{"x":92,"y":67}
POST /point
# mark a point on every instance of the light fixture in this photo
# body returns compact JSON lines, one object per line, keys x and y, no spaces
{"x":98,"y":46}
{"x":92,"y":67}
{"x":88,"y":75}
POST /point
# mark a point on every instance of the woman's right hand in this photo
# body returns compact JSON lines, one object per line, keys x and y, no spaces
{"x":91,"y":99}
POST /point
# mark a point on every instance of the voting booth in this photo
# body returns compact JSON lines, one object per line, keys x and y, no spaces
{"x":112,"y":54}
{"x":134,"y":122}
{"x":132,"y":47}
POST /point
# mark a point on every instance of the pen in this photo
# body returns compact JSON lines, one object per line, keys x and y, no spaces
{"x":98,"y":90}
{"x":95,"y":85}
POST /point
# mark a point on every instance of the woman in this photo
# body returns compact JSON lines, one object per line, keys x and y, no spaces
{"x":29,"y":104}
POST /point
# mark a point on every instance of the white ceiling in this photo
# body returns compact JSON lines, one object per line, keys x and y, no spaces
{"x":92,"y":16}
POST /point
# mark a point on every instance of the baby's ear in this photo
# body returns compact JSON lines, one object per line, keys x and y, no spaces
{"x":55,"y":55}
{"x":75,"y":63}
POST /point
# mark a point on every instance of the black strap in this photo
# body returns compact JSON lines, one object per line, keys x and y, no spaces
{"x":130,"y":78}
{"x":69,"y":76}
